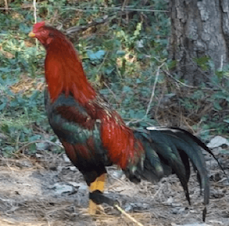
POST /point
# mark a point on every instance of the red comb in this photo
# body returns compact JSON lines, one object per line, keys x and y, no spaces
{"x":38,"y":25}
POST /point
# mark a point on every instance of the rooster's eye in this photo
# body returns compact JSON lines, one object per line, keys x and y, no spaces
{"x":51,"y":34}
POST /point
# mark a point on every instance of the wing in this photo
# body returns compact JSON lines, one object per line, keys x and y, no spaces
{"x":80,"y":135}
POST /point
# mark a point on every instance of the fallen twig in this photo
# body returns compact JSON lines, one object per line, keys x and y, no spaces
{"x":127,"y":215}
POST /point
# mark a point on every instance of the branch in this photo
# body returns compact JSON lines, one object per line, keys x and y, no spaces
{"x":6,"y":6}
{"x":85,"y":27}
{"x":154,"y":87}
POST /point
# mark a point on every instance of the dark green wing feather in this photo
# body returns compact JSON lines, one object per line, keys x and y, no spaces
{"x":79,"y":134}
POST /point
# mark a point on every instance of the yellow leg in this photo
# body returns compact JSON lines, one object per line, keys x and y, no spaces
{"x":98,"y":184}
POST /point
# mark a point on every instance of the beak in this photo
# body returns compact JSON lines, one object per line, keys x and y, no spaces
{"x":32,"y":35}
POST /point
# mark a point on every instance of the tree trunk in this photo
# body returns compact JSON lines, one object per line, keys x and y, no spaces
{"x":199,"y":41}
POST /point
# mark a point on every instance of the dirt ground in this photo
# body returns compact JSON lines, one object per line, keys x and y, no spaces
{"x":46,"y":190}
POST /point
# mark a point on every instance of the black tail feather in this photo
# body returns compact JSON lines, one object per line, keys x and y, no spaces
{"x":202,"y":145}
{"x":170,"y":150}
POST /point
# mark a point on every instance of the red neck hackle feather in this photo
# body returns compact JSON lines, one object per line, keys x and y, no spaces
{"x":63,"y":69}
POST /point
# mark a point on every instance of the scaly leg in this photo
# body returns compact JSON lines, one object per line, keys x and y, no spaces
{"x":98,"y":184}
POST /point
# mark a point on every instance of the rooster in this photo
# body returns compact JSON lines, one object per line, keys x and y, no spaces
{"x":95,"y":136}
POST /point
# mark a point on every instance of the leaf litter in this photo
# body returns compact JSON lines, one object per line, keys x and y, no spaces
{"x":45,"y":190}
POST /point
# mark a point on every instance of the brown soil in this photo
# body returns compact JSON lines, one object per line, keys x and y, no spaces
{"x":47,"y":191}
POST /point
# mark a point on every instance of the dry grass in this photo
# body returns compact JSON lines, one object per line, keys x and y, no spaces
{"x":27,"y":84}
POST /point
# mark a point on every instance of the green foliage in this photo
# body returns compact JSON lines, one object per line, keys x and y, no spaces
{"x":203,"y":62}
{"x":20,"y":110}
{"x":209,"y":105}
{"x":121,"y":51}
